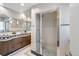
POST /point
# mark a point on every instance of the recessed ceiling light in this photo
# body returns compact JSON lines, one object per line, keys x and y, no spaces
{"x":22,"y":4}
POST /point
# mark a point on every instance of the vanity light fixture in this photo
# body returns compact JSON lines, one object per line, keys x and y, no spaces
{"x":10,"y":19}
{"x":11,"y":22}
{"x":17,"y":22}
{"x":22,"y":4}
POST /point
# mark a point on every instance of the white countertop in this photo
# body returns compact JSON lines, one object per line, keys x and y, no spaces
{"x":16,"y":36}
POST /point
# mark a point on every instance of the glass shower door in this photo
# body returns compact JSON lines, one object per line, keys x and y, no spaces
{"x":49,"y":34}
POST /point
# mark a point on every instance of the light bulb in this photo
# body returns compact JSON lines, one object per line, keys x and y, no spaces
{"x":11,"y":22}
{"x":17,"y":22}
{"x":22,"y":4}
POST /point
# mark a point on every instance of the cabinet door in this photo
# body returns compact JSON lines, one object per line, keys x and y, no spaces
{"x":18,"y":43}
{"x":29,"y":39}
{"x":12,"y":46}
{"x":23,"y":41}
{"x":4,"y":48}
{"x":26,"y":40}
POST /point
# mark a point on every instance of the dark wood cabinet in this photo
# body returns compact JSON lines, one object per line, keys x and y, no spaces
{"x":4,"y":48}
{"x":12,"y":45}
{"x":28,"y":40}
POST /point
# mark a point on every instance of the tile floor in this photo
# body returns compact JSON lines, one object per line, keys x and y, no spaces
{"x":25,"y":51}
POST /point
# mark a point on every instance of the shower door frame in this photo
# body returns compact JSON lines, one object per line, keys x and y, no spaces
{"x":41,"y":19}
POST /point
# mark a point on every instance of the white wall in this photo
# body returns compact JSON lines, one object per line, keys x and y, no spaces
{"x":64,"y":29}
{"x":74,"y":27}
{"x":64,"y":14}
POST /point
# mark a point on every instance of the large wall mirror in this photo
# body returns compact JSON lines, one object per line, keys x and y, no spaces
{"x":4,"y":23}
{"x":9,"y":24}
{"x":28,"y":26}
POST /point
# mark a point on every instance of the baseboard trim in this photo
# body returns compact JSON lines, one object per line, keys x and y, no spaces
{"x":35,"y":53}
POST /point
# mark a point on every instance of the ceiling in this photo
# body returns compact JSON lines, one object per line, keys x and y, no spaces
{"x":17,"y":7}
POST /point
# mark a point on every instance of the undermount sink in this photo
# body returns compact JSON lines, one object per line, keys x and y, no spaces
{"x":9,"y":36}
{"x":6,"y":36}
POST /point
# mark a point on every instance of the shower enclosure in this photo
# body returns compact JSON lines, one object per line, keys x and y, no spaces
{"x":46,"y":30}
{"x":49,"y":34}
{"x":50,"y":31}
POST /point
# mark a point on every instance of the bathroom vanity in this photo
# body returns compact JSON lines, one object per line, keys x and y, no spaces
{"x":14,"y":43}
{"x":13,"y":32}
